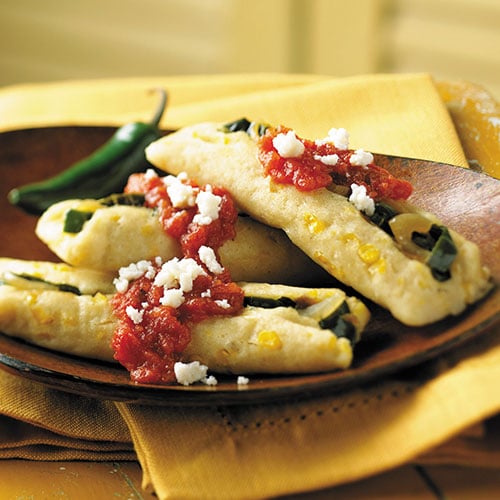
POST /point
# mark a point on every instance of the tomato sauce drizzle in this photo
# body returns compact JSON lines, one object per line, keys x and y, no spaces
{"x":150,"y":347}
{"x":308,"y":173}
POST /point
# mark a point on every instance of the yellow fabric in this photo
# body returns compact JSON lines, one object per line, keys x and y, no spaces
{"x":19,"y":439}
{"x":259,"y":451}
{"x":118,"y":101}
{"x":39,"y":423}
{"x":67,"y":414}
{"x":381,"y":112}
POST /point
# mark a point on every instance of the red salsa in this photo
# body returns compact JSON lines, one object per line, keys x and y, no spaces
{"x":313,"y":168}
{"x":152,"y":333}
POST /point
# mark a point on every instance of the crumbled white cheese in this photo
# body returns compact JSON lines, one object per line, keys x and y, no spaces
{"x":121,"y":284}
{"x":181,"y":195}
{"x":211,"y":380}
{"x":339,"y":137}
{"x":361,"y":158}
{"x":328,"y":159}
{"x":150,"y":174}
{"x":172,"y":297}
{"x":206,"y":293}
{"x":241,"y":380}
{"x":360,"y":199}
{"x":179,"y":272}
{"x":224,"y":304}
{"x":132,"y":272}
{"x":177,"y":277}
{"x":189,"y":373}
{"x":208,"y":207}
{"x":288,"y":145}
{"x":134,"y":314}
{"x":208,"y":257}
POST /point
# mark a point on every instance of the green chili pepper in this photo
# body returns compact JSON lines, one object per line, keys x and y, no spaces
{"x":74,"y":219}
{"x":244,"y":125}
{"x":241,"y":124}
{"x":62,"y":287}
{"x":104,"y":172}
{"x":382,"y":215}
{"x":443,"y":250}
{"x":268,"y":303}
{"x":338,"y":324}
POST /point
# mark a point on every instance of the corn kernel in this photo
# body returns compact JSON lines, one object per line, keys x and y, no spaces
{"x":360,"y":314}
{"x":349,"y":238}
{"x":379,"y":267}
{"x":31,"y":298}
{"x":147,"y":229}
{"x":312,"y":294}
{"x":42,"y":316}
{"x":344,"y":346}
{"x":99,"y":297}
{"x":269,"y":339}
{"x":344,"y":353}
{"x":215,"y":139}
{"x":332,"y":343}
{"x":89,"y":205}
{"x":368,"y":253}
{"x":314,"y":225}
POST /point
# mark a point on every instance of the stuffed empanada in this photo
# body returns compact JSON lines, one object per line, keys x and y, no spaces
{"x":394,"y":254}
{"x":281,"y":329}
{"x":96,"y":235}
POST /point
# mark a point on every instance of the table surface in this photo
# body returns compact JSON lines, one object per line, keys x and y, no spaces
{"x":21,"y":479}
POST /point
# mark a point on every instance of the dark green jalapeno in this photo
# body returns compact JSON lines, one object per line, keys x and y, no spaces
{"x":268,"y":303}
{"x":244,"y":125}
{"x":382,"y":215}
{"x":339,"y":324}
{"x":104,"y":172}
{"x":74,"y":219}
{"x":62,"y":287}
{"x":443,"y":250}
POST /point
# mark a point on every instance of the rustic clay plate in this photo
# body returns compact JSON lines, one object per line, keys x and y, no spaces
{"x":466,"y":201}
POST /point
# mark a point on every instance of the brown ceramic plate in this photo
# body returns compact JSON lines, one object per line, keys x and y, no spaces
{"x":465,"y":200}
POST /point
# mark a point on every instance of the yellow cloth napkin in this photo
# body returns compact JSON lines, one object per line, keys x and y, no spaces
{"x":260,"y":451}
{"x":118,"y":101}
{"x":40,"y":423}
{"x":381,"y":112}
